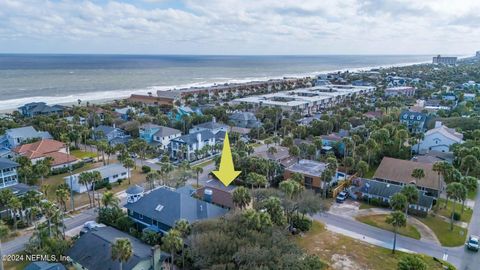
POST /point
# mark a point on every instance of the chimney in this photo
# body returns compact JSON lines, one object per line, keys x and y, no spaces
{"x":438,"y":124}
{"x":214,"y":120}
{"x":114,"y":126}
{"x":199,"y":137}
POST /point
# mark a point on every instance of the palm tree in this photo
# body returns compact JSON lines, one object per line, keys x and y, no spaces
{"x":397,"y":219}
{"x":85,"y":178}
{"x":469,"y":162}
{"x":184,"y":228}
{"x":3,"y":233}
{"x":439,"y":168}
{"x":62,"y":195}
{"x":371,"y":148}
{"x":398,"y":202}
{"x":198,"y":170}
{"x":411,"y":193}
{"x":241,"y":197}
{"x":122,"y":251}
{"x":401,"y":135}
{"x":109,"y":199}
{"x":457,"y":192}
{"x":15,"y":206}
{"x":173,"y":242}
{"x":128,"y":163}
{"x":418,"y":174}
{"x":151,"y":178}
{"x":42,"y":170}
{"x":96,"y":177}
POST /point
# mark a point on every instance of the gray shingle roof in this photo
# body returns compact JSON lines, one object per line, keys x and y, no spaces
{"x":135,"y":189}
{"x":211,"y":125}
{"x":41,"y":265}
{"x":27,"y":132}
{"x":104,"y":129}
{"x":192,"y":137}
{"x":166,"y":131}
{"x":176,"y":205}
{"x":93,"y":249}
{"x":7,"y":163}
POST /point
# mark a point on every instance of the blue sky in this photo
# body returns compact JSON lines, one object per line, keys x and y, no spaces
{"x":240,"y":26}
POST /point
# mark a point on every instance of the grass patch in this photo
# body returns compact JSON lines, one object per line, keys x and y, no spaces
{"x":205,"y":163}
{"x":364,"y":205}
{"x":83,"y":154}
{"x":379,"y":222}
{"x":442,"y":230}
{"x":255,"y":145}
{"x":447,"y":212}
{"x":332,"y":248}
{"x":472,"y":194}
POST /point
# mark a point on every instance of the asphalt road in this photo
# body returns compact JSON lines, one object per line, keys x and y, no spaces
{"x":471,"y":260}
{"x":385,"y":238}
{"x":18,"y":244}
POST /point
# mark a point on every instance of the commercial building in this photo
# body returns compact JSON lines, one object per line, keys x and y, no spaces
{"x":307,"y":100}
{"x":444,"y":60}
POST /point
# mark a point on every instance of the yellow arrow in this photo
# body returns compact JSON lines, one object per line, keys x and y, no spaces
{"x":226,"y":173}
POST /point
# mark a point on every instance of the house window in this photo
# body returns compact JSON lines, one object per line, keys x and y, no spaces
{"x":140,"y":216}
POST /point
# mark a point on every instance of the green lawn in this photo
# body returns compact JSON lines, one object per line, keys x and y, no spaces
{"x":442,"y":230}
{"x":328,"y":246}
{"x":83,"y":154}
{"x":379,"y":222}
{"x":447,"y":212}
{"x":364,"y":205}
{"x":472,"y":194}
{"x":205,"y":163}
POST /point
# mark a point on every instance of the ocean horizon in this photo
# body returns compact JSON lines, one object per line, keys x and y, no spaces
{"x":65,"y":78}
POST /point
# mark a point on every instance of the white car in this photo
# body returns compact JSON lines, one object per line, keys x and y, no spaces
{"x":473,"y":243}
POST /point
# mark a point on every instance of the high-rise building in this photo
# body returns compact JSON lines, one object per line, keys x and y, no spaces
{"x":444,"y":60}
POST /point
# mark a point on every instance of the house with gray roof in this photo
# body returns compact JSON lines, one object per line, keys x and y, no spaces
{"x":110,"y":174}
{"x":93,"y":250}
{"x":112,"y":134}
{"x":162,"y":207}
{"x":245,"y":120}
{"x":16,"y":136}
{"x":187,"y":146}
{"x":8,"y":173}
{"x":212,"y":126}
{"x":164,"y":135}
{"x":367,"y":189}
{"x":40,"y":108}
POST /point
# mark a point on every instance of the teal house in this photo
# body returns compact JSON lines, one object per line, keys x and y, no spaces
{"x":182,"y":111}
{"x":147,"y":131}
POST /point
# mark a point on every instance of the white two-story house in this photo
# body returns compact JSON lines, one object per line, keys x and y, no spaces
{"x":164,"y":135}
{"x":438,"y":139}
{"x":184,"y":147}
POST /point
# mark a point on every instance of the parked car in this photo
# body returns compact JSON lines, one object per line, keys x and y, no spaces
{"x":341,"y":197}
{"x":473,"y":243}
{"x":90,"y":225}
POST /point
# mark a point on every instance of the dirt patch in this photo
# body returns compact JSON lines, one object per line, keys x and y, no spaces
{"x":343,"y":262}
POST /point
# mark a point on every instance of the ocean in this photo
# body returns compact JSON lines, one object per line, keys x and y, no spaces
{"x":66,"y":78}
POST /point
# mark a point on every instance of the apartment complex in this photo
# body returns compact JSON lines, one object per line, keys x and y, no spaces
{"x":307,"y":100}
{"x":444,"y":60}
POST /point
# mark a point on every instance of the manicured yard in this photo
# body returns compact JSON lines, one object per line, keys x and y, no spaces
{"x":442,"y":230}
{"x":379,"y":222}
{"x":83,"y":154}
{"x":338,"y":250}
{"x":472,"y":194}
{"x":364,"y":205}
{"x":447,"y":212}
{"x":82,"y":199}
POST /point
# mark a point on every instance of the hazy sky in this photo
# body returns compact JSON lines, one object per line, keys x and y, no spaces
{"x":240,"y":26}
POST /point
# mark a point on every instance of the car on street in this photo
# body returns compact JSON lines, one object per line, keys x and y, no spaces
{"x":473,"y":243}
{"x":341,"y":197}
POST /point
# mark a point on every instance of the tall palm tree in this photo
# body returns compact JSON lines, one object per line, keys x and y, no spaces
{"x":457,"y":192}
{"x":418,"y":174}
{"x":85,"y":178}
{"x":152,"y":178}
{"x":411,"y":193}
{"x":122,"y":250}
{"x":173,"y":242}
{"x":469,"y":163}
{"x":397,"y":219}
{"x":109,"y":199}
{"x":241,"y":197}
{"x":198,"y":170}
{"x":62,"y":196}
{"x":128,"y":163}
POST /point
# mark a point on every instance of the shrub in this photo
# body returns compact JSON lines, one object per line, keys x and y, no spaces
{"x":301,"y":223}
{"x":67,"y":169}
{"x":457,"y":216}
{"x":146,"y":169}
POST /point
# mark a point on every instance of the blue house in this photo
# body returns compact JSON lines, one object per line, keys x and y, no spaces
{"x":335,"y":140}
{"x":40,"y":108}
{"x":161,"y":208}
{"x":113,"y":134}
{"x":182,"y":111}
{"x":416,"y":122}
{"x":147,"y":131}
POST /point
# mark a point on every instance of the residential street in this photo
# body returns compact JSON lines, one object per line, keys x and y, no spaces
{"x":471,"y":260}
{"x":379,"y":237}
{"x":18,"y":243}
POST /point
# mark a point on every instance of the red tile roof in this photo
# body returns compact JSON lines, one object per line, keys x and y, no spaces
{"x":45,"y":148}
